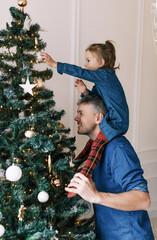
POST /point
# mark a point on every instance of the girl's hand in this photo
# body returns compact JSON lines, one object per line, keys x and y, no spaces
{"x":47,"y":59}
{"x":81,"y":87}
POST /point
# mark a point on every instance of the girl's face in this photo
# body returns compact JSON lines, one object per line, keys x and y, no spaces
{"x":92,"y":62}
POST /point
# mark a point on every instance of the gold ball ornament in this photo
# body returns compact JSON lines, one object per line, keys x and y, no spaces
{"x":22,"y":4}
{"x":49,"y":125}
{"x":59,"y":124}
{"x":57,"y":182}
{"x":17,"y":160}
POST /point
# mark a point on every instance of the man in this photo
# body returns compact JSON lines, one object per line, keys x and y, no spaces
{"x":118,"y":190}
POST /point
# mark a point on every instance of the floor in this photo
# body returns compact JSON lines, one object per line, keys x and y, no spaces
{"x":154,"y":226}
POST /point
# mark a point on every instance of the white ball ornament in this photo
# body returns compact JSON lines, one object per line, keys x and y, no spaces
{"x":29,"y":134}
{"x":43,"y":197}
{"x":2,"y":230}
{"x":39,"y":57}
{"x":13,"y":173}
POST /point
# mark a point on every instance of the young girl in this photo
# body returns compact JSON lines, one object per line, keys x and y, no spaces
{"x":100,"y":70}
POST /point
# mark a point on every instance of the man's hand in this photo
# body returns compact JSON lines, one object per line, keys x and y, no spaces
{"x":83,"y":186}
{"x":47,"y":59}
{"x":127,"y":201}
{"x":81,"y":87}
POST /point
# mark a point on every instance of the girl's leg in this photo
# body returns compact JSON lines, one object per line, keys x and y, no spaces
{"x":95,"y":155}
{"x":83,"y":155}
{"x":97,"y":149}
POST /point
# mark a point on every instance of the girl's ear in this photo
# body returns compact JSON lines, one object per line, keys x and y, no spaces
{"x":99,"y":118}
{"x":102,"y":62}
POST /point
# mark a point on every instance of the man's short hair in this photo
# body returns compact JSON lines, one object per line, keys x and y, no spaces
{"x":96,"y":101}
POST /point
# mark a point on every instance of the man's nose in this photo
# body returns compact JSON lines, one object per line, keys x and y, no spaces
{"x":76,"y":118}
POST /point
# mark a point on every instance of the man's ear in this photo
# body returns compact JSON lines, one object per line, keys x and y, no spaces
{"x":99,"y":118}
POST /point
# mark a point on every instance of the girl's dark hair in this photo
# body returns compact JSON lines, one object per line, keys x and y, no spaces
{"x":106,"y":51}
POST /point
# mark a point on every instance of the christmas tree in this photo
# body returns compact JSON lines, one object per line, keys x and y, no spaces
{"x":35,"y":147}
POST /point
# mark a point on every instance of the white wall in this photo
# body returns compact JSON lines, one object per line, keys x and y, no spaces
{"x":71,"y":26}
